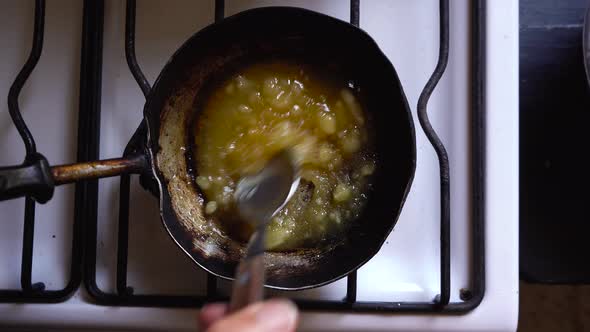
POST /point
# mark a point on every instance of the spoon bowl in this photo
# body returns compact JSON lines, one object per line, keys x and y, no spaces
{"x":260,"y":196}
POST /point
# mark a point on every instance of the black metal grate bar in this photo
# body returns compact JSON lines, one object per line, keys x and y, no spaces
{"x":23,"y":75}
{"x":123,"y":236}
{"x":35,"y":292}
{"x":470,"y":297}
{"x":355,"y":12}
{"x":219,"y":10}
{"x":351,"y":287}
{"x":90,"y":91}
{"x":441,"y":152}
{"x":30,"y":146}
{"x":27,"y":257}
{"x":478,"y":151}
{"x":125,"y":184}
{"x":130,"y":49}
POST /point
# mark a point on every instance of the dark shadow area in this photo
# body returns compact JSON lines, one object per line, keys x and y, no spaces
{"x":554,"y":119}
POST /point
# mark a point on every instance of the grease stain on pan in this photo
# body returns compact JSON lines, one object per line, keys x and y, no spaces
{"x":188,"y":206}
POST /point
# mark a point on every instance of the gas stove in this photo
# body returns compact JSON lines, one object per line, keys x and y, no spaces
{"x":97,"y":256}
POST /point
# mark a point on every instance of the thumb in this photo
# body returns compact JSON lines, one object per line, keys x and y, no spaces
{"x":269,"y":316}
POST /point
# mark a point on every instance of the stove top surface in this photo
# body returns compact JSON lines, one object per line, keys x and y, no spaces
{"x":407,"y":267}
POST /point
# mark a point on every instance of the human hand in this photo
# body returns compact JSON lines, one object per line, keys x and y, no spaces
{"x":268,"y":316}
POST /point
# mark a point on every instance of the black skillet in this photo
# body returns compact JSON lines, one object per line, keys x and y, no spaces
{"x":255,"y":35}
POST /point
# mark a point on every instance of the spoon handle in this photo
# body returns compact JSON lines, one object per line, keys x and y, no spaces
{"x":248,"y":286}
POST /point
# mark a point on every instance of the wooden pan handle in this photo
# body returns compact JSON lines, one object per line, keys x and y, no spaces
{"x":63,"y":174}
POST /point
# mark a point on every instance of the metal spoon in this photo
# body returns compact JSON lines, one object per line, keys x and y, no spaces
{"x":258,"y":198}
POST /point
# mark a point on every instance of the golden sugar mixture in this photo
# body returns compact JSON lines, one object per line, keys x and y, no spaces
{"x":264,"y":108}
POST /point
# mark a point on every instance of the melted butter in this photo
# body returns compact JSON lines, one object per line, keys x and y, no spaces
{"x":265,"y":108}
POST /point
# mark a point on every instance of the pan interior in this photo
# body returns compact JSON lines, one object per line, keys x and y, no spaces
{"x":260,"y":109}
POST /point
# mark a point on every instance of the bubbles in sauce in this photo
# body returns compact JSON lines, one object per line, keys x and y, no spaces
{"x":264,"y":108}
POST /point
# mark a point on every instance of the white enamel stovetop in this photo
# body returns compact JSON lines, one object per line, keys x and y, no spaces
{"x":407,"y":266}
